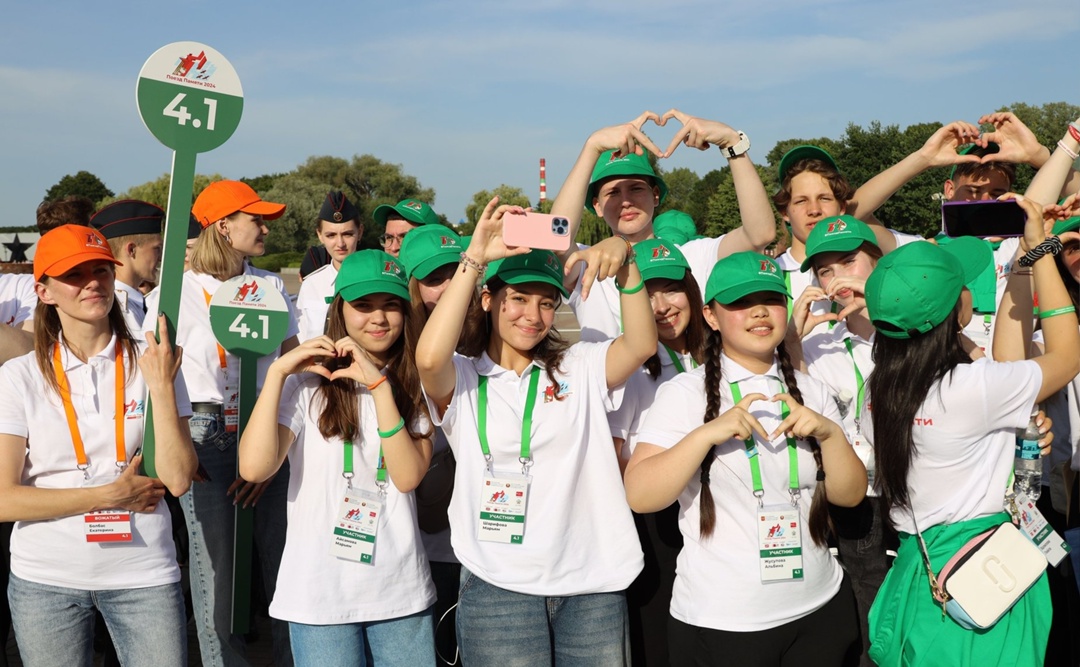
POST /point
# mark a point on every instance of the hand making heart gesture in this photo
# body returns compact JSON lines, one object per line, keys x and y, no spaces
{"x":698,"y":133}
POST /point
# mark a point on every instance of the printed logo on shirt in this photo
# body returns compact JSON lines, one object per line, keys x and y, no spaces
{"x":11,"y":321}
{"x":134,"y":409}
{"x":920,"y":421}
{"x":249,"y":293}
{"x":551,"y":393}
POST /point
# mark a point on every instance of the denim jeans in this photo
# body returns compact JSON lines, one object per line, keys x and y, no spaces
{"x":500,"y":627}
{"x":55,"y":625}
{"x":395,"y":642}
{"x":210,"y":521}
{"x":865,"y":560}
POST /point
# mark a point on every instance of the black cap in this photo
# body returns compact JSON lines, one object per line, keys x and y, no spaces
{"x":336,"y":208}
{"x":193,"y":227}
{"x":127,"y":217}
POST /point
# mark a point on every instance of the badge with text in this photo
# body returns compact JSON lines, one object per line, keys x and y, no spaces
{"x":503,"y":500}
{"x":780,"y":543}
{"x":355,"y":528}
{"x":107,"y":526}
{"x":1034,"y":524}
{"x":231,"y":406}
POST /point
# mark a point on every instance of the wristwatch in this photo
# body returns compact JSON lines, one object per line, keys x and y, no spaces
{"x":738,"y":149}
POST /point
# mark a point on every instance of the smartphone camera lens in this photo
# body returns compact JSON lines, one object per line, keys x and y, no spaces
{"x":561,"y":226}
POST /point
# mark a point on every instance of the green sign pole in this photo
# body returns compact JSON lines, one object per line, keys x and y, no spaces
{"x":190,"y":99}
{"x":249,"y":318}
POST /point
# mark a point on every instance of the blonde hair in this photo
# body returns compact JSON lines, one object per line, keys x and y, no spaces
{"x":214,"y":255}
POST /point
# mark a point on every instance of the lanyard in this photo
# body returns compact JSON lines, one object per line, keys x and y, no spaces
{"x":790,"y":300}
{"x":347,"y":467}
{"x":220,"y":350}
{"x":526,"y":423}
{"x":69,"y":412}
{"x":755,"y":464}
{"x":860,"y":385}
{"x":675,"y":360}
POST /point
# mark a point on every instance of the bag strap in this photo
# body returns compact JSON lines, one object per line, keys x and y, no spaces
{"x":936,"y":589}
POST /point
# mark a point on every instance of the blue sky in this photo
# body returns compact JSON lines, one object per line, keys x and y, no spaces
{"x":467,"y":95}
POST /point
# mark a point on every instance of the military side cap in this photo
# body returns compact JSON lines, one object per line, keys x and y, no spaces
{"x":127,"y":217}
{"x":337,"y":208}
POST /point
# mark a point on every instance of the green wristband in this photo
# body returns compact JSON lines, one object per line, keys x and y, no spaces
{"x":632,"y":290}
{"x":389,"y":434}
{"x":1046,"y":314}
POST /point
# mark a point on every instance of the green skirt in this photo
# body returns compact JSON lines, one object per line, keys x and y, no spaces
{"x":907,"y":627}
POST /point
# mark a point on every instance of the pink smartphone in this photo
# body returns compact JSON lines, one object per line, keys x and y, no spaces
{"x":537,"y":230}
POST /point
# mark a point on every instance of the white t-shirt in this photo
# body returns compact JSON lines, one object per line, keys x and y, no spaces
{"x":17,"y":298}
{"x":828,"y":360}
{"x":600,"y":316}
{"x":314,"y":587}
{"x":579,"y":533}
{"x":55,"y":552}
{"x":133,"y":305}
{"x":965,"y":442}
{"x":311,"y":305}
{"x":638,"y":395}
{"x":717,"y":582}
{"x":1064,"y":409}
{"x":202,"y":365}
{"x":981,"y":327}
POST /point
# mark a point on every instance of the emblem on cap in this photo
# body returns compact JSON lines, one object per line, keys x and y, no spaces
{"x":414,"y":205}
{"x":660,"y":251}
{"x":836,"y":226}
{"x":337,"y":216}
{"x":94,"y":241}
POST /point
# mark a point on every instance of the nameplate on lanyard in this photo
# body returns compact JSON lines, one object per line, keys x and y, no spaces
{"x":780,"y":543}
{"x":356,"y":526}
{"x":504,"y":498}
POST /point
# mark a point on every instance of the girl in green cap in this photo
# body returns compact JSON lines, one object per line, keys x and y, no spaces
{"x":752,"y":451}
{"x":538,"y":521}
{"x":344,"y":408}
{"x":943,"y":430}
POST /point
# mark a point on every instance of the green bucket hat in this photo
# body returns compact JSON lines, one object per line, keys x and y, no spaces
{"x":805,"y":152}
{"x":674,"y":226}
{"x":538,"y":266}
{"x":656,"y":258}
{"x":428,"y":248}
{"x":915,"y":287}
{"x":627,"y":165}
{"x":413,"y":210}
{"x":743,"y":273}
{"x":842,"y":233}
{"x":370,"y":272}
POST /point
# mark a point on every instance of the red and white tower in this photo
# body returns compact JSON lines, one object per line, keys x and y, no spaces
{"x":543,"y":181}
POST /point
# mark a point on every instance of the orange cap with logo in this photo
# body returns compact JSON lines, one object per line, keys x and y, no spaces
{"x":221,"y":199}
{"x":67,"y":246}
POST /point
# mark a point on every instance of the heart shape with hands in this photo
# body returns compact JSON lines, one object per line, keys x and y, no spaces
{"x":350,"y":362}
{"x":694,"y":132}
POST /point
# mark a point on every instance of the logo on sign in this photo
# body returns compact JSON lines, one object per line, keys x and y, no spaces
{"x":194,"y":68}
{"x":249,"y":293}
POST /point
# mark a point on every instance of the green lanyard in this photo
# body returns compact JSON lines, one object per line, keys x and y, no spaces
{"x":791,"y":299}
{"x":526,"y":423}
{"x":860,"y":384}
{"x":347,"y":468}
{"x":755,"y":464}
{"x":675,"y":360}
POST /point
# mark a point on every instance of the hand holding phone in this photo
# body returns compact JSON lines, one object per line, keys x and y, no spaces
{"x":983,"y":218}
{"x":537,"y":230}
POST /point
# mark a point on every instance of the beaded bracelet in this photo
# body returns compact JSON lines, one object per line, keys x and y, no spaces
{"x":465,"y":260}
{"x":388,"y":434}
{"x":1068,"y":151}
{"x":633,"y":290}
{"x":630,"y":255}
{"x":1050,"y":246}
{"x":1043,"y":315}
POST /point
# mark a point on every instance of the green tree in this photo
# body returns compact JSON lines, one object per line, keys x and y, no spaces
{"x":295,"y":230}
{"x":507,"y":194}
{"x":698,"y":205}
{"x":1047,"y":123}
{"x":82,"y":184}
{"x":262,"y":183}
{"x":157,"y":190}
{"x":722,"y":211}
{"x":682,"y":187}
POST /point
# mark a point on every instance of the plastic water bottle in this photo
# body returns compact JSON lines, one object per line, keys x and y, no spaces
{"x":1028,"y":466}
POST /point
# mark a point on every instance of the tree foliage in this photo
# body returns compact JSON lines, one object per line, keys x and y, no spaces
{"x":157,"y":190}
{"x":82,"y":184}
{"x":507,"y":194}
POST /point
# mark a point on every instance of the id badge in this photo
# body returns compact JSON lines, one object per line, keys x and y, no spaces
{"x":232,"y":403}
{"x":503,"y":500}
{"x":866,"y":454}
{"x":356,"y":525}
{"x":780,"y":544}
{"x":1035,"y":526}
{"x":106,"y":526}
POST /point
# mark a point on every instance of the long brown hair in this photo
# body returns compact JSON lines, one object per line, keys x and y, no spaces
{"x":549,"y":351}
{"x":695,"y":329}
{"x":471,"y":341}
{"x":339,"y":415}
{"x":48,"y":332}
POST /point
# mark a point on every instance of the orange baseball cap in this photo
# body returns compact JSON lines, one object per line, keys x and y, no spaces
{"x":221,"y":199}
{"x":67,"y":246}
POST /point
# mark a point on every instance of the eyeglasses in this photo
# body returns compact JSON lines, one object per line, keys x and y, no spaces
{"x":387,"y":239}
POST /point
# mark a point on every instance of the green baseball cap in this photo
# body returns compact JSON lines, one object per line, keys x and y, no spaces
{"x":371,"y":272}
{"x":538,"y":266}
{"x":656,"y":258}
{"x":743,"y":273}
{"x":841,"y":233}
{"x":990,"y":149}
{"x":413,"y":210}
{"x":674,"y":226}
{"x":626,"y":165}
{"x":915,"y":287}
{"x":1068,"y":225}
{"x":805,"y":152}
{"x":429,"y":247}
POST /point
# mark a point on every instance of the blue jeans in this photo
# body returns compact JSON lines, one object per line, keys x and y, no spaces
{"x":210,"y":521}
{"x":395,"y":642}
{"x":498,"y":627}
{"x":55,"y":625}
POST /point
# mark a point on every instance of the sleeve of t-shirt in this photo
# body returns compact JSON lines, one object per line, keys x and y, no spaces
{"x":465,"y":379}
{"x":293,"y":404}
{"x":1010,"y":390}
{"x":595,"y":359}
{"x":903,"y":239}
{"x":677,"y":409}
{"x":13,"y":419}
{"x":816,"y":396}
{"x":294,"y":325}
{"x":701,"y":256}
{"x":27,"y":299}
{"x":619,"y":421}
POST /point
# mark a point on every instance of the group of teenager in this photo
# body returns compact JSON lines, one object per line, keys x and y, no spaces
{"x":732,"y":466}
